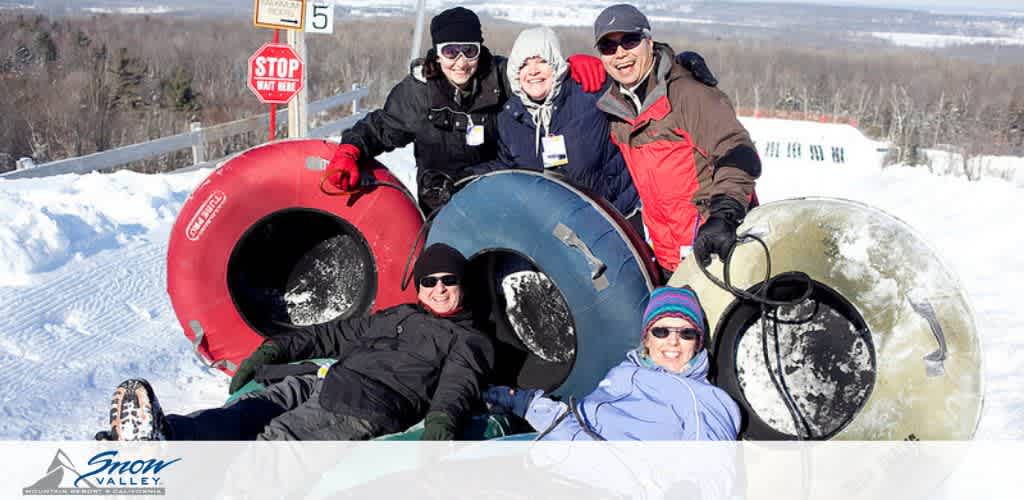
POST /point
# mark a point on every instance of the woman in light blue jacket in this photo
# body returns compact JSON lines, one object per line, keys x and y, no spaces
{"x":660,"y":392}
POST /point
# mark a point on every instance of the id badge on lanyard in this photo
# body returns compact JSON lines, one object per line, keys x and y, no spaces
{"x":474,"y":134}
{"x":553,"y":151}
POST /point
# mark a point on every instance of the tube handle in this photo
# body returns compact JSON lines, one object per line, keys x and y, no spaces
{"x":597,"y":268}
{"x":934,"y":361}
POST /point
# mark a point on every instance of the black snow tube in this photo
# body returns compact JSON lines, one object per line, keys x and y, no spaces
{"x":829,"y":337}
{"x":587,"y":314}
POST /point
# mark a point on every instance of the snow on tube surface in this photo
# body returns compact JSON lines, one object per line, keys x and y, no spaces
{"x":587,"y":315}
{"x":885,"y":349}
{"x":258,"y":247}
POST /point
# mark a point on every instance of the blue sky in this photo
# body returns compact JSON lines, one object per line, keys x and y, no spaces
{"x":1017,"y":5}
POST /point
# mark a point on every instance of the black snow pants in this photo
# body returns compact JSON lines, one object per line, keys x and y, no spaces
{"x":288,"y":410}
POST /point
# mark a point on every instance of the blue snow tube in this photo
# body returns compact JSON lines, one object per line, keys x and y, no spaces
{"x":586,"y":249}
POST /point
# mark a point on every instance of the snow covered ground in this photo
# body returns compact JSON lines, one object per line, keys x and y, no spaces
{"x":1009,"y":168}
{"x":939,"y":40}
{"x":83,"y":302}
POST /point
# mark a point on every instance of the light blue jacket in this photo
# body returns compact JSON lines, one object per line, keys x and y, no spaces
{"x":637,"y":402}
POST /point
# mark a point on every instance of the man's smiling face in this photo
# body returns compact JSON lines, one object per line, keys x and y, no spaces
{"x":628,"y":66}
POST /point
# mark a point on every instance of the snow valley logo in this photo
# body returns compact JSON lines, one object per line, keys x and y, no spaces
{"x":106,"y":476}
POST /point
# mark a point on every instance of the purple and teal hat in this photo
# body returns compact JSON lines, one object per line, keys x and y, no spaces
{"x":667,"y":302}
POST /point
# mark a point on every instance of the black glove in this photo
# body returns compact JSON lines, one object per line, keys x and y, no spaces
{"x":694,"y":63}
{"x":718,"y":234}
{"x":438,"y":426}
{"x":267,"y":354}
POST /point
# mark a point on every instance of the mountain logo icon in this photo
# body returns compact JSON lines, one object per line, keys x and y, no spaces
{"x":60,"y":475}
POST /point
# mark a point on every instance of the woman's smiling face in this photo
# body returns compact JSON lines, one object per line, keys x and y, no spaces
{"x":536,"y":77}
{"x":672,"y":352}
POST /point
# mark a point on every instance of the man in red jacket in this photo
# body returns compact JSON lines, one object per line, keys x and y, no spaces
{"x":692,"y":161}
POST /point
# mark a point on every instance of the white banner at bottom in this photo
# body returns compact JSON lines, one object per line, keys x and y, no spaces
{"x":656,"y":470}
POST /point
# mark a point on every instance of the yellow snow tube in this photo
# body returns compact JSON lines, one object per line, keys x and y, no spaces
{"x":886,"y":348}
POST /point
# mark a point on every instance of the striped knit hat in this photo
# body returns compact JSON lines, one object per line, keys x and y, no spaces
{"x":668,"y":302}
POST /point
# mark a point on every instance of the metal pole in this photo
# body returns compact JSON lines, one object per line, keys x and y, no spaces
{"x":298,"y":124}
{"x":421,"y":7}
{"x":273,"y":107}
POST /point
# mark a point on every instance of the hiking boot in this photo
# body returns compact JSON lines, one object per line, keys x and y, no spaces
{"x":135,"y":413}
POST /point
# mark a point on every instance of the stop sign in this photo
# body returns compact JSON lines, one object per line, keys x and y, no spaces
{"x":275,"y":73}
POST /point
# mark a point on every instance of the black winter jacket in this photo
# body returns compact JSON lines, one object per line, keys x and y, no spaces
{"x":397,"y":364}
{"x":426,"y":112}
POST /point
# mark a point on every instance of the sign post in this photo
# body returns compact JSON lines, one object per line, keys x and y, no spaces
{"x":276,"y":75}
{"x":267,"y":77}
{"x":298,"y":123}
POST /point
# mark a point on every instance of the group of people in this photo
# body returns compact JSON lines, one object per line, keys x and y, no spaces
{"x":658,"y":140}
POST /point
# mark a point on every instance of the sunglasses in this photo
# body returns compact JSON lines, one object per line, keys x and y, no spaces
{"x":451,"y":50}
{"x":684,"y":333}
{"x":629,"y":41}
{"x":446,"y":280}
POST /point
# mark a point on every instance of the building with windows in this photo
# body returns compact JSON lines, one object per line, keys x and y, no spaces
{"x":814,"y":143}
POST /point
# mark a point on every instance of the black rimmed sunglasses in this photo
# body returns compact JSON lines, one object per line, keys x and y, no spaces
{"x":629,"y":41}
{"x":446,"y":280}
{"x":684,"y":333}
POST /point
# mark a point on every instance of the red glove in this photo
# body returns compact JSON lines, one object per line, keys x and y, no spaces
{"x":342,"y":171}
{"x":588,"y":71}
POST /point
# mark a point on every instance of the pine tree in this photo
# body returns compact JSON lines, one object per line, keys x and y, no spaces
{"x":99,"y":99}
{"x":177,"y":92}
{"x":46,"y":47}
{"x":130,"y":73}
{"x":82,"y":39}
{"x":1015,"y":125}
{"x":24,"y":55}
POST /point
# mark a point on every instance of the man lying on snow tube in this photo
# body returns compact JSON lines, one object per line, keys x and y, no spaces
{"x":400,"y":365}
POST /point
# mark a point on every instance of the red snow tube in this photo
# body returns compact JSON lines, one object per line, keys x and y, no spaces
{"x":258,"y":247}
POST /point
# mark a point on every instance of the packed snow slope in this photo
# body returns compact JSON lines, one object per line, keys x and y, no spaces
{"x":83,"y":300}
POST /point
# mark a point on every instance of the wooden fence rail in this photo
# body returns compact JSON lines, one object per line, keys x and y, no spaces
{"x":196,"y":138}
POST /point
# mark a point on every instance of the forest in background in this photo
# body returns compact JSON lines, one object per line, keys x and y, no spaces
{"x":77,"y":85}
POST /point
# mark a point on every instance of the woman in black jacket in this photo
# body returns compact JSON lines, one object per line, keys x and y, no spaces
{"x":447,"y":106}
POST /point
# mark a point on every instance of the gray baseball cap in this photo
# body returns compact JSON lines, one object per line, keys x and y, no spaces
{"x":620,"y":18}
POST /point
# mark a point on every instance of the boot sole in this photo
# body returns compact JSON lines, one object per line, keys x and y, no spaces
{"x":134,"y":412}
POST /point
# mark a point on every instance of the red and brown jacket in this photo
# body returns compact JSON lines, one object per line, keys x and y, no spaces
{"x":685,"y":146}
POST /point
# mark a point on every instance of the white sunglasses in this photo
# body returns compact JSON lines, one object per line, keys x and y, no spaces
{"x":452,"y":50}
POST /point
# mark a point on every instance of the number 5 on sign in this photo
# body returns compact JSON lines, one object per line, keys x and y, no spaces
{"x":319,"y":17}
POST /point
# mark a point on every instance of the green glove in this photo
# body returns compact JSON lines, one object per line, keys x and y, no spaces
{"x":267,"y":354}
{"x":438,"y":426}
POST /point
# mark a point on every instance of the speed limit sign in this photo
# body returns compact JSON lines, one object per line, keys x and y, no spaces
{"x":319,"y":17}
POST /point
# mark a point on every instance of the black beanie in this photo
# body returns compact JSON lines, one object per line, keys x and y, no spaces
{"x":439,"y":258}
{"x":457,"y":24}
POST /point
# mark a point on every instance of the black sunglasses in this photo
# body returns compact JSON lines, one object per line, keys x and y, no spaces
{"x":629,"y":41}
{"x":684,"y":333}
{"x":446,"y":280}
{"x":452,"y":50}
